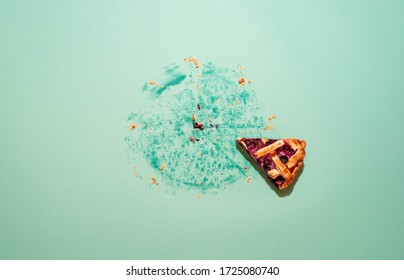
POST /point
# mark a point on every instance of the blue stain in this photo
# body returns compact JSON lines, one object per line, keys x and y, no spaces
{"x":164,"y":138}
{"x":177,"y":79}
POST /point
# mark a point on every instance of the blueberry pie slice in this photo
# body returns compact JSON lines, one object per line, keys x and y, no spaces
{"x":279,"y":159}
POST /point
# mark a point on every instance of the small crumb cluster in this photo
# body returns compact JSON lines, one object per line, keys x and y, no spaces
{"x":242,"y":80}
{"x":270,"y":126}
{"x":153,"y":181}
{"x":248,"y":180}
{"x":200,"y":125}
{"x":194,"y":60}
{"x":154,"y":83}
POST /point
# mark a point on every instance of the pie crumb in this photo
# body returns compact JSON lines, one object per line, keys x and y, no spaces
{"x":152,"y":82}
{"x":241,"y":81}
{"x":194,"y":60}
{"x":154,"y":181}
{"x":198,"y":196}
{"x":133,"y":126}
{"x":248,"y":180}
{"x":270,"y":126}
{"x":163,"y":166}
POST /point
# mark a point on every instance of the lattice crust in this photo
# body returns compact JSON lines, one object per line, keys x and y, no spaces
{"x":287,"y":170}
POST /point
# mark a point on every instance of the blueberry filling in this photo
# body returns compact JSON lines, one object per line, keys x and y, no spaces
{"x":270,"y":142}
{"x":266,"y":163}
{"x":253,"y":144}
{"x":278,"y":181}
{"x":287,"y":150}
{"x":198,"y":125}
{"x":284,"y":159}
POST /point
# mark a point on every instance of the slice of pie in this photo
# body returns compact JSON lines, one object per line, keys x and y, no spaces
{"x":278,"y":159}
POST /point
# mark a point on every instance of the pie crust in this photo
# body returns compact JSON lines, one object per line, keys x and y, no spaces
{"x":279,"y":159}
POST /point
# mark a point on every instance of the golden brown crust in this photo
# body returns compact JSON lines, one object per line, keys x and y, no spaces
{"x":268,"y":149}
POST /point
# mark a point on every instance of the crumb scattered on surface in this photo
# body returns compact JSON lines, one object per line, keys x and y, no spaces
{"x":153,"y":181}
{"x":194,"y":60}
{"x":198,"y":196}
{"x":241,"y":81}
{"x":133,"y":126}
{"x":248,"y":180}
{"x":163,"y":166}
{"x":193,"y":117}
{"x":270,"y":126}
{"x":152,"y":82}
{"x":218,"y":138}
{"x":249,"y":81}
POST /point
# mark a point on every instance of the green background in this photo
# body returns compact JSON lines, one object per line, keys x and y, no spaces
{"x":72,"y":71}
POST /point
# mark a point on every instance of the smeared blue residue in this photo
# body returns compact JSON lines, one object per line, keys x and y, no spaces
{"x":165,"y":127}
